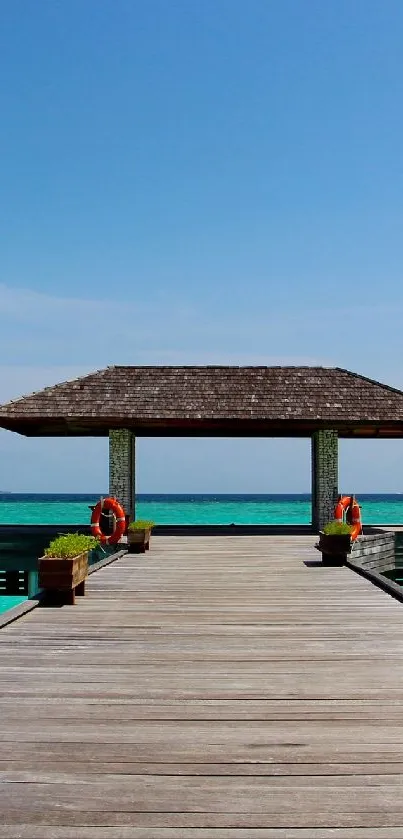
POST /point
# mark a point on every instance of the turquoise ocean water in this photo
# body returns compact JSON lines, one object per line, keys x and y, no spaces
{"x":7,"y":601}
{"x":192,"y":509}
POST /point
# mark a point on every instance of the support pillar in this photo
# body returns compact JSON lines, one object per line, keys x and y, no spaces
{"x":324,"y":476}
{"x":122,"y":468}
{"x":33,"y":585}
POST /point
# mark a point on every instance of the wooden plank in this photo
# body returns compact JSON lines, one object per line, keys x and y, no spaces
{"x":30,"y":831}
{"x":20,"y":770}
{"x":158,"y":822}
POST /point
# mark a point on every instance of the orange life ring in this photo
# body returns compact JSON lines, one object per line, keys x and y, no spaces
{"x":353,"y":517}
{"x":348,"y":505}
{"x":341,"y":507}
{"x":120,"y":521}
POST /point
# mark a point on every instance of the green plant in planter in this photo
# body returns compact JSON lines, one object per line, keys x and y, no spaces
{"x":63,"y":568}
{"x":138,"y":535}
{"x":141,"y":524}
{"x":70,"y":545}
{"x":337,"y":528}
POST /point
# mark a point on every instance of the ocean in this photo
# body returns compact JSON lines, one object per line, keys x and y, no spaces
{"x":191,"y":509}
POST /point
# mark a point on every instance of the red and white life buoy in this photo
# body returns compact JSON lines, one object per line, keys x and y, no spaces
{"x":341,"y":507}
{"x":120,"y":521}
{"x":353,"y":517}
{"x":348,"y":506}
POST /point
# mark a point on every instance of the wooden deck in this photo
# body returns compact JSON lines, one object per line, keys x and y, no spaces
{"x":215,"y":687}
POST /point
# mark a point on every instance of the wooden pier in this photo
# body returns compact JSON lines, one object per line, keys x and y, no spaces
{"x":215,"y":688}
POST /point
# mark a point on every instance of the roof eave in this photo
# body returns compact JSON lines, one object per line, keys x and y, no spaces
{"x":208,"y":427}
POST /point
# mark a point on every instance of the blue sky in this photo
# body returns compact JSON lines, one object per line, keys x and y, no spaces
{"x":197,"y":183}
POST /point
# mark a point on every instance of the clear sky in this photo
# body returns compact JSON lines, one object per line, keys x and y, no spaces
{"x":211,"y":181}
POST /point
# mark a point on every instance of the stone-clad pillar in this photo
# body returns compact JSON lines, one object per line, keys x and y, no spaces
{"x":324,"y":476}
{"x":122,"y":468}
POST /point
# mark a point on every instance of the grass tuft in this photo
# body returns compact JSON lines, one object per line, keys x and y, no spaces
{"x":337,"y":528}
{"x":69,"y":545}
{"x":141,"y":524}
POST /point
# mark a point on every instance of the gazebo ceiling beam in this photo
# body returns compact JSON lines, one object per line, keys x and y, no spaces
{"x":80,"y":428}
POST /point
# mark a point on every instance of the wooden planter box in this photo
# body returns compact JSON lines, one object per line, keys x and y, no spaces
{"x":334,"y":548}
{"x":65,"y":577}
{"x":138,"y":540}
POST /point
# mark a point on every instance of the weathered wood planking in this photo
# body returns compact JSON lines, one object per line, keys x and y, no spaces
{"x":214,"y":688}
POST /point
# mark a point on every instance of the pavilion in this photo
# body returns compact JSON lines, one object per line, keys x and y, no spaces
{"x":125,"y":402}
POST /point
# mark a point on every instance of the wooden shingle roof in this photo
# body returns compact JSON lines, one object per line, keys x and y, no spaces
{"x":288,"y":401}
